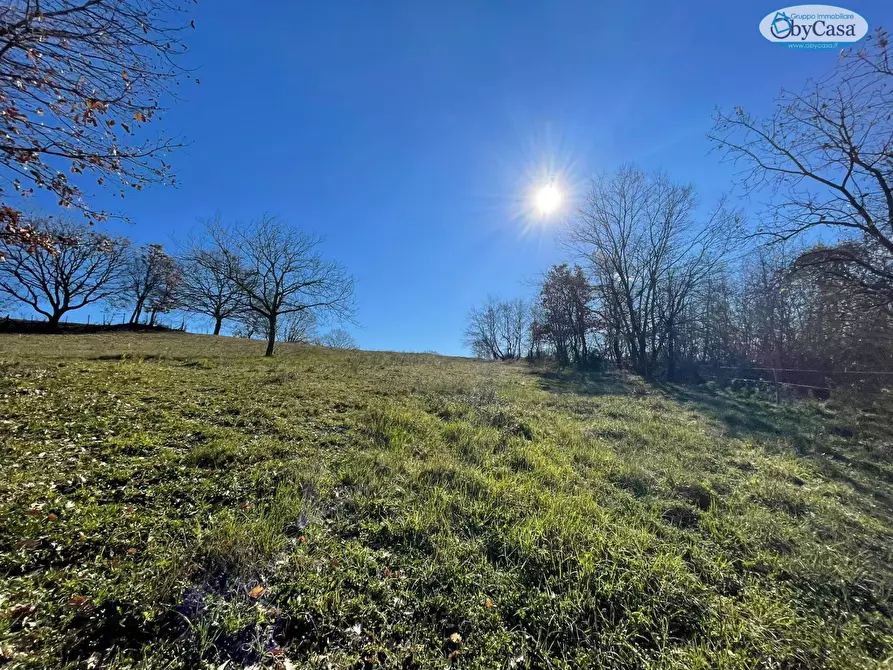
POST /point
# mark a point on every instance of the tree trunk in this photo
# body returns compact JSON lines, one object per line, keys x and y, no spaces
{"x":271,"y":336}
{"x":137,"y":313}
{"x":671,"y":350}
{"x":54,"y":318}
{"x":671,"y":358}
{"x":641,"y":363}
{"x":218,"y":322}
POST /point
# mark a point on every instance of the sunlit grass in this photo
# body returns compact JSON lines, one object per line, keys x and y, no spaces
{"x":178,"y":501}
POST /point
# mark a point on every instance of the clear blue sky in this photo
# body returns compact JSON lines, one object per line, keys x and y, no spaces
{"x":407,"y":133}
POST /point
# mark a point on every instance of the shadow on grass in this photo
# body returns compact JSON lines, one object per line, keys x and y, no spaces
{"x":28,"y":327}
{"x":840,"y":452}
{"x":579,"y":382}
{"x":833,"y":443}
{"x":738,"y":417}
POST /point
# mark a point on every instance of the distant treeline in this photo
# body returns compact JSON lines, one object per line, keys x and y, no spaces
{"x":264,"y":278}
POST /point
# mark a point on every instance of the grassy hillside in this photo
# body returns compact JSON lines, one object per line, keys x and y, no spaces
{"x":171,"y":501}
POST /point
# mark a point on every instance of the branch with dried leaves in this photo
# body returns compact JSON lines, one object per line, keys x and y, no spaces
{"x":78,"y":81}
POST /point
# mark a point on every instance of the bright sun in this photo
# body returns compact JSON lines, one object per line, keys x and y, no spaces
{"x":548,"y":198}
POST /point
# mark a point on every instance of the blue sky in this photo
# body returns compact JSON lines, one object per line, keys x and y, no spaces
{"x":410,"y":133}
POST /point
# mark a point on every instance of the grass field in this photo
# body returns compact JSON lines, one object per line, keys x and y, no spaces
{"x":169,"y":501}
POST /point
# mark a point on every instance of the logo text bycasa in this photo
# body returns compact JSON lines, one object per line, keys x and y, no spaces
{"x":813,"y":27}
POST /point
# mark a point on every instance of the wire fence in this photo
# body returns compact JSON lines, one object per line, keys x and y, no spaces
{"x":812,"y":382}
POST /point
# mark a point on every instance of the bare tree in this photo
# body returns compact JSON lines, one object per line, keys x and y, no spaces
{"x":166,"y":297}
{"x":300,"y":327}
{"x":826,"y":158}
{"x":711,"y":325}
{"x":149,"y":283}
{"x":207,"y":286}
{"x":250,"y":325}
{"x":7,"y":301}
{"x":773,"y":311}
{"x":295,"y":328}
{"x":279,"y":271}
{"x":78,"y":80}
{"x":338,"y":339}
{"x":646,"y":251}
{"x":85,"y":270}
{"x":498,"y":328}
{"x":537,"y":337}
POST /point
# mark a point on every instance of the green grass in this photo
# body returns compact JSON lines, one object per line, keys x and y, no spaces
{"x":174,"y":501}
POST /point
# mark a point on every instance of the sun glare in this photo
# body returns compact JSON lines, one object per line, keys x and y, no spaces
{"x":548,"y":198}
